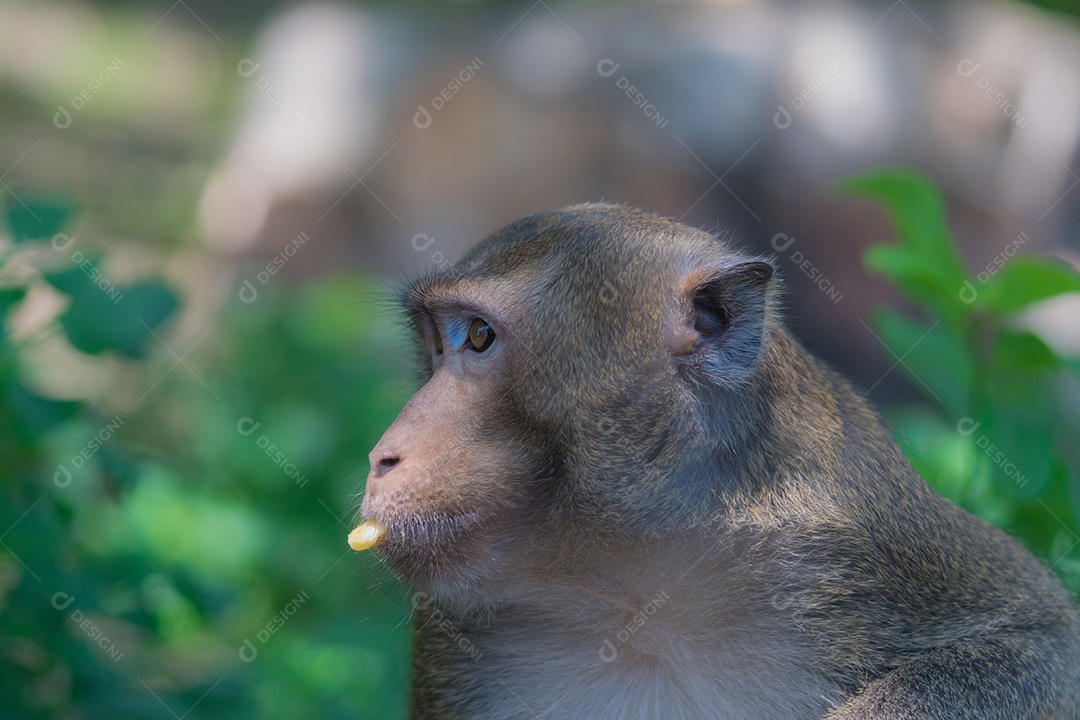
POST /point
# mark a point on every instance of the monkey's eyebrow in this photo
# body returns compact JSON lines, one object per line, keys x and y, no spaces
{"x":428,"y":304}
{"x":413,"y":306}
{"x":416,"y":298}
{"x":436,"y":296}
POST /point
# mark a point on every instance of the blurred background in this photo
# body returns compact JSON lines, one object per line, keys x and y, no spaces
{"x":205,"y":204}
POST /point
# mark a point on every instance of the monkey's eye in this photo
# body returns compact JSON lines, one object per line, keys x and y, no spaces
{"x":480,"y":335}
{"x":436,"y":340}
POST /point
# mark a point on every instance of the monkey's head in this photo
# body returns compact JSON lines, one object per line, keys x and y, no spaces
{"x":590,"y":375}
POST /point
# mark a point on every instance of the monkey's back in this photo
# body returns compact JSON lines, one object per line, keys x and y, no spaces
{"x":887,"y":571}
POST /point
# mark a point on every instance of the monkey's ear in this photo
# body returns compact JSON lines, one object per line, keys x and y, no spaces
{"x":727,"y":320}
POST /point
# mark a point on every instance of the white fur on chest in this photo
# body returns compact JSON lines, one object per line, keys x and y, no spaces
{"x":599,"y":663}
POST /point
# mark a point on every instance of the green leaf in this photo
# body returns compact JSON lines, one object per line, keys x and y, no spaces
{"x":103,"y":316}
{"x":920,"y":280}
{"x":917,"y":210}
{"x":73,"y":280}
{"x":1026,"y":280}
{"x":1018,"y":445}
{"x":1020,"y":424}
{"x":938,"y":361}
{"x":939,"y":453}
{"x":1021,"y":351}
{"x":9,"y":297}
{"x":34,"y":414}
{"x":36,"y":217}
{"x":119,"y":318}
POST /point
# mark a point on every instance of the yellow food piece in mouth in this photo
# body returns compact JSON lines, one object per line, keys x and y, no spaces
{"x":367,"y":534}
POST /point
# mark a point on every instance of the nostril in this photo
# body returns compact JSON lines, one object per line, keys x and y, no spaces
{"x":386,"y":464}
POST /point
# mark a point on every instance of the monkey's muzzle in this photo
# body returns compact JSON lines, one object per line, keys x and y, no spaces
{"x":366,"y":535}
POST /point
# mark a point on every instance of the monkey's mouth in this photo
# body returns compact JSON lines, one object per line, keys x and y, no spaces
{"x":435,"y":549}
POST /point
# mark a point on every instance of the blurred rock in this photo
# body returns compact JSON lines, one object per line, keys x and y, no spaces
{"x":395,"y":143}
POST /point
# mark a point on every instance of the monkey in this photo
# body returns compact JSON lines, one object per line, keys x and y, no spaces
{"x":625,"y":490}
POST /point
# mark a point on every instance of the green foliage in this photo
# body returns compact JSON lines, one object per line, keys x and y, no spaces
{"x":1028,"y":280}
{"x":116,"y":318}
{"x":34,"y":218}
{"x":183,"y":553}
{"x":997,"y":433}
{"x":1065,"y":7}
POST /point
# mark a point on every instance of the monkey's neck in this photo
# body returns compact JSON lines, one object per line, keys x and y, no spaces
{"x":622,"y":576}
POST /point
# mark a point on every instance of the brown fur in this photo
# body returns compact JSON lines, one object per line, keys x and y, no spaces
{"x":645,"y":434}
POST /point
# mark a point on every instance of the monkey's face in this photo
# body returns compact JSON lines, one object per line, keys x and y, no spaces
{"x":565,"y":355}
{"x":448,"y":477}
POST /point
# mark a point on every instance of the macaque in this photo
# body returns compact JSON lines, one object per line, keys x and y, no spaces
{"x":626,"y":491}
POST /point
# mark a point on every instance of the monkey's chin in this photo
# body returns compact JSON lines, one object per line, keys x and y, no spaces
{"x":439,"y":553}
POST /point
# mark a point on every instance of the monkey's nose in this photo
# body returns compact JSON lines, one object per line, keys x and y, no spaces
{"x":384,"y":465}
